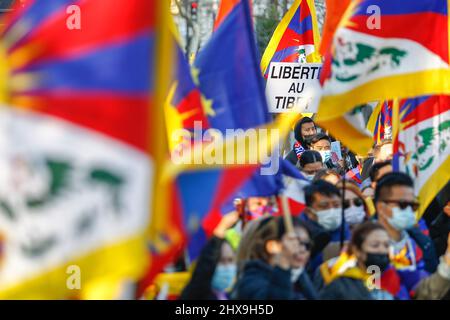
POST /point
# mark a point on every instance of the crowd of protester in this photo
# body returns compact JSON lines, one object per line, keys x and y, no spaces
{"x":353,"y":240}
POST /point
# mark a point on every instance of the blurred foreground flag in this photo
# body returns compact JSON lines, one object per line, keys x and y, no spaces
{"x":296,"y":39}
{"x":401,"y":50}
{"x":422,"y":145}
{"x":335,"y":11}
{"x":234,"y":101}
{"x":75,"y":171}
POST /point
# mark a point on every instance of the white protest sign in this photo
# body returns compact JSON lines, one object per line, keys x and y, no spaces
{"x":336,"y":154}
{"x":293,"y":87}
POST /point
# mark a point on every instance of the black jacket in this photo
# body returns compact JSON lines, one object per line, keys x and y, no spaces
{"x":345,"y":288}
{"x":199,"y":287}
{"x":304,"y":288}
{"x":261,"y":281}
{"x":292,"y":157}
{"x":439,"y":231}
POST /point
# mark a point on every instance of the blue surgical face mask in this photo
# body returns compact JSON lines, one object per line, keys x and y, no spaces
{"x":310,"y":177}
{"x":329,"y":219}
{"x":223,"y":278}
{"x":402,"y":219}
{"x":354,"y":215}
{"x":326,"y":155}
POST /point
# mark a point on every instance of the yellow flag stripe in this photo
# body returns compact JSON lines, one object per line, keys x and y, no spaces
{"x":430,"y":82}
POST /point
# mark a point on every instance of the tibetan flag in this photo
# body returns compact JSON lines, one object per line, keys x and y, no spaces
{"x":335,"y":9}
{"x":184,"y":108}
{"x":380,"y":122}
{"x":75,"y":167}
{"x":226,"y":6}
{"x":233,"y":89}
{"x":296,"y":38}
{"x":230,"y":80}
{"x":422,"y":146}
{"x":355,"y":175}
{"x":350,"y":128}
{"x":403,"y":52}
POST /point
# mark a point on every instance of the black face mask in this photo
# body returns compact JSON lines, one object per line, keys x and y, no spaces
{"x":308,"y":139}
{"x":377,"y":259}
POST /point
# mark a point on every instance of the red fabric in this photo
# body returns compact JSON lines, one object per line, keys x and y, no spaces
{"x":390,"y":281}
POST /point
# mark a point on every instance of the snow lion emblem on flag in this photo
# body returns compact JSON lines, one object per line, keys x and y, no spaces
{"x":353,"y":60}
{"x":426,"y":138}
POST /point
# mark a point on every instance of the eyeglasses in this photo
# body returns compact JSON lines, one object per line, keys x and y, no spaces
{"x":306,"y":244}
{"x":404,"y":204}
{"x":357,"y":202}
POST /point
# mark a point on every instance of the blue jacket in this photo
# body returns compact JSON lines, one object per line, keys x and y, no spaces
{"x":261,"y":281}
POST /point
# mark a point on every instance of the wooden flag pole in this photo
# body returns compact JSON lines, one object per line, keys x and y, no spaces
{"x":287,"y":214}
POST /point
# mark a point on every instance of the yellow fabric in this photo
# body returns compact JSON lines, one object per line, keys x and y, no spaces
{"x":430,"y":82}
{"x":331,"y":271}
{"x":370,"y":206}
{"x":354,"y":273}
{"x":433,"y":186}
{"x":281,"y":28}
{"x":3,"y":74}
{"x":176,"y":282}
{"x":342,"y":130}
{"x":106,"y":266}
{"x":374,"y":117}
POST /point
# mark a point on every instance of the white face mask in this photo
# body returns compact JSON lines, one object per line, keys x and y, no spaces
{"x":310,"y":177}
{"x":354,"y":215}
{"x":326,"y":155}
{"x":330,"y":219}
{"x":402,"y":219}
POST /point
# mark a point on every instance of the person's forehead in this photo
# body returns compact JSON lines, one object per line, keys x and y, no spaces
{"x":331,"y":178}
{"x":308,"y":125}
{"x":383,"y":170}
{"x":257,"y":200}
{"x":323,"y":142}
{"x":227,"y":251}
{"x":313,"y":166}
{"x":401,"y":192}
{"x":324,"y":198}
{"x":377,"y":235}
{"x":350,"y":195}
{"x":301,"y":233}
{"x":386,"y":148}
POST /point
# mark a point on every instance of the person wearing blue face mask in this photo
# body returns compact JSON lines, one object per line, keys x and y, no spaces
{"x":412,"y":252}
{"x":215,"y":272}
{"x":323,"y":215}
{"x":310,"y":163}
{"x":322,"y":144}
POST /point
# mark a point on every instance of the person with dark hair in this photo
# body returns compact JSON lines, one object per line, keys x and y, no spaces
{"x":303,"y":285}
{"x":323,"y":214}
{"x":328,"y":175}
{"x":413,"y":252}
{"x":322,"y":143}
{"x":265,"y":259}
{"x":310,"y":163}
{"x":304,"y":130}
{"x":356,"y":210}
{"x":378,"y":170}
{"x":369,"y":247}
{"x":215,"y":272}
{"x":367,"y":271}
{"x":382,"y":152}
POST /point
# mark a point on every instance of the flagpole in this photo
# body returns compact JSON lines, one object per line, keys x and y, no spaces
{"x":287,"y":214}
{"x":395,"y":134}
{"x":342,"y":235}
